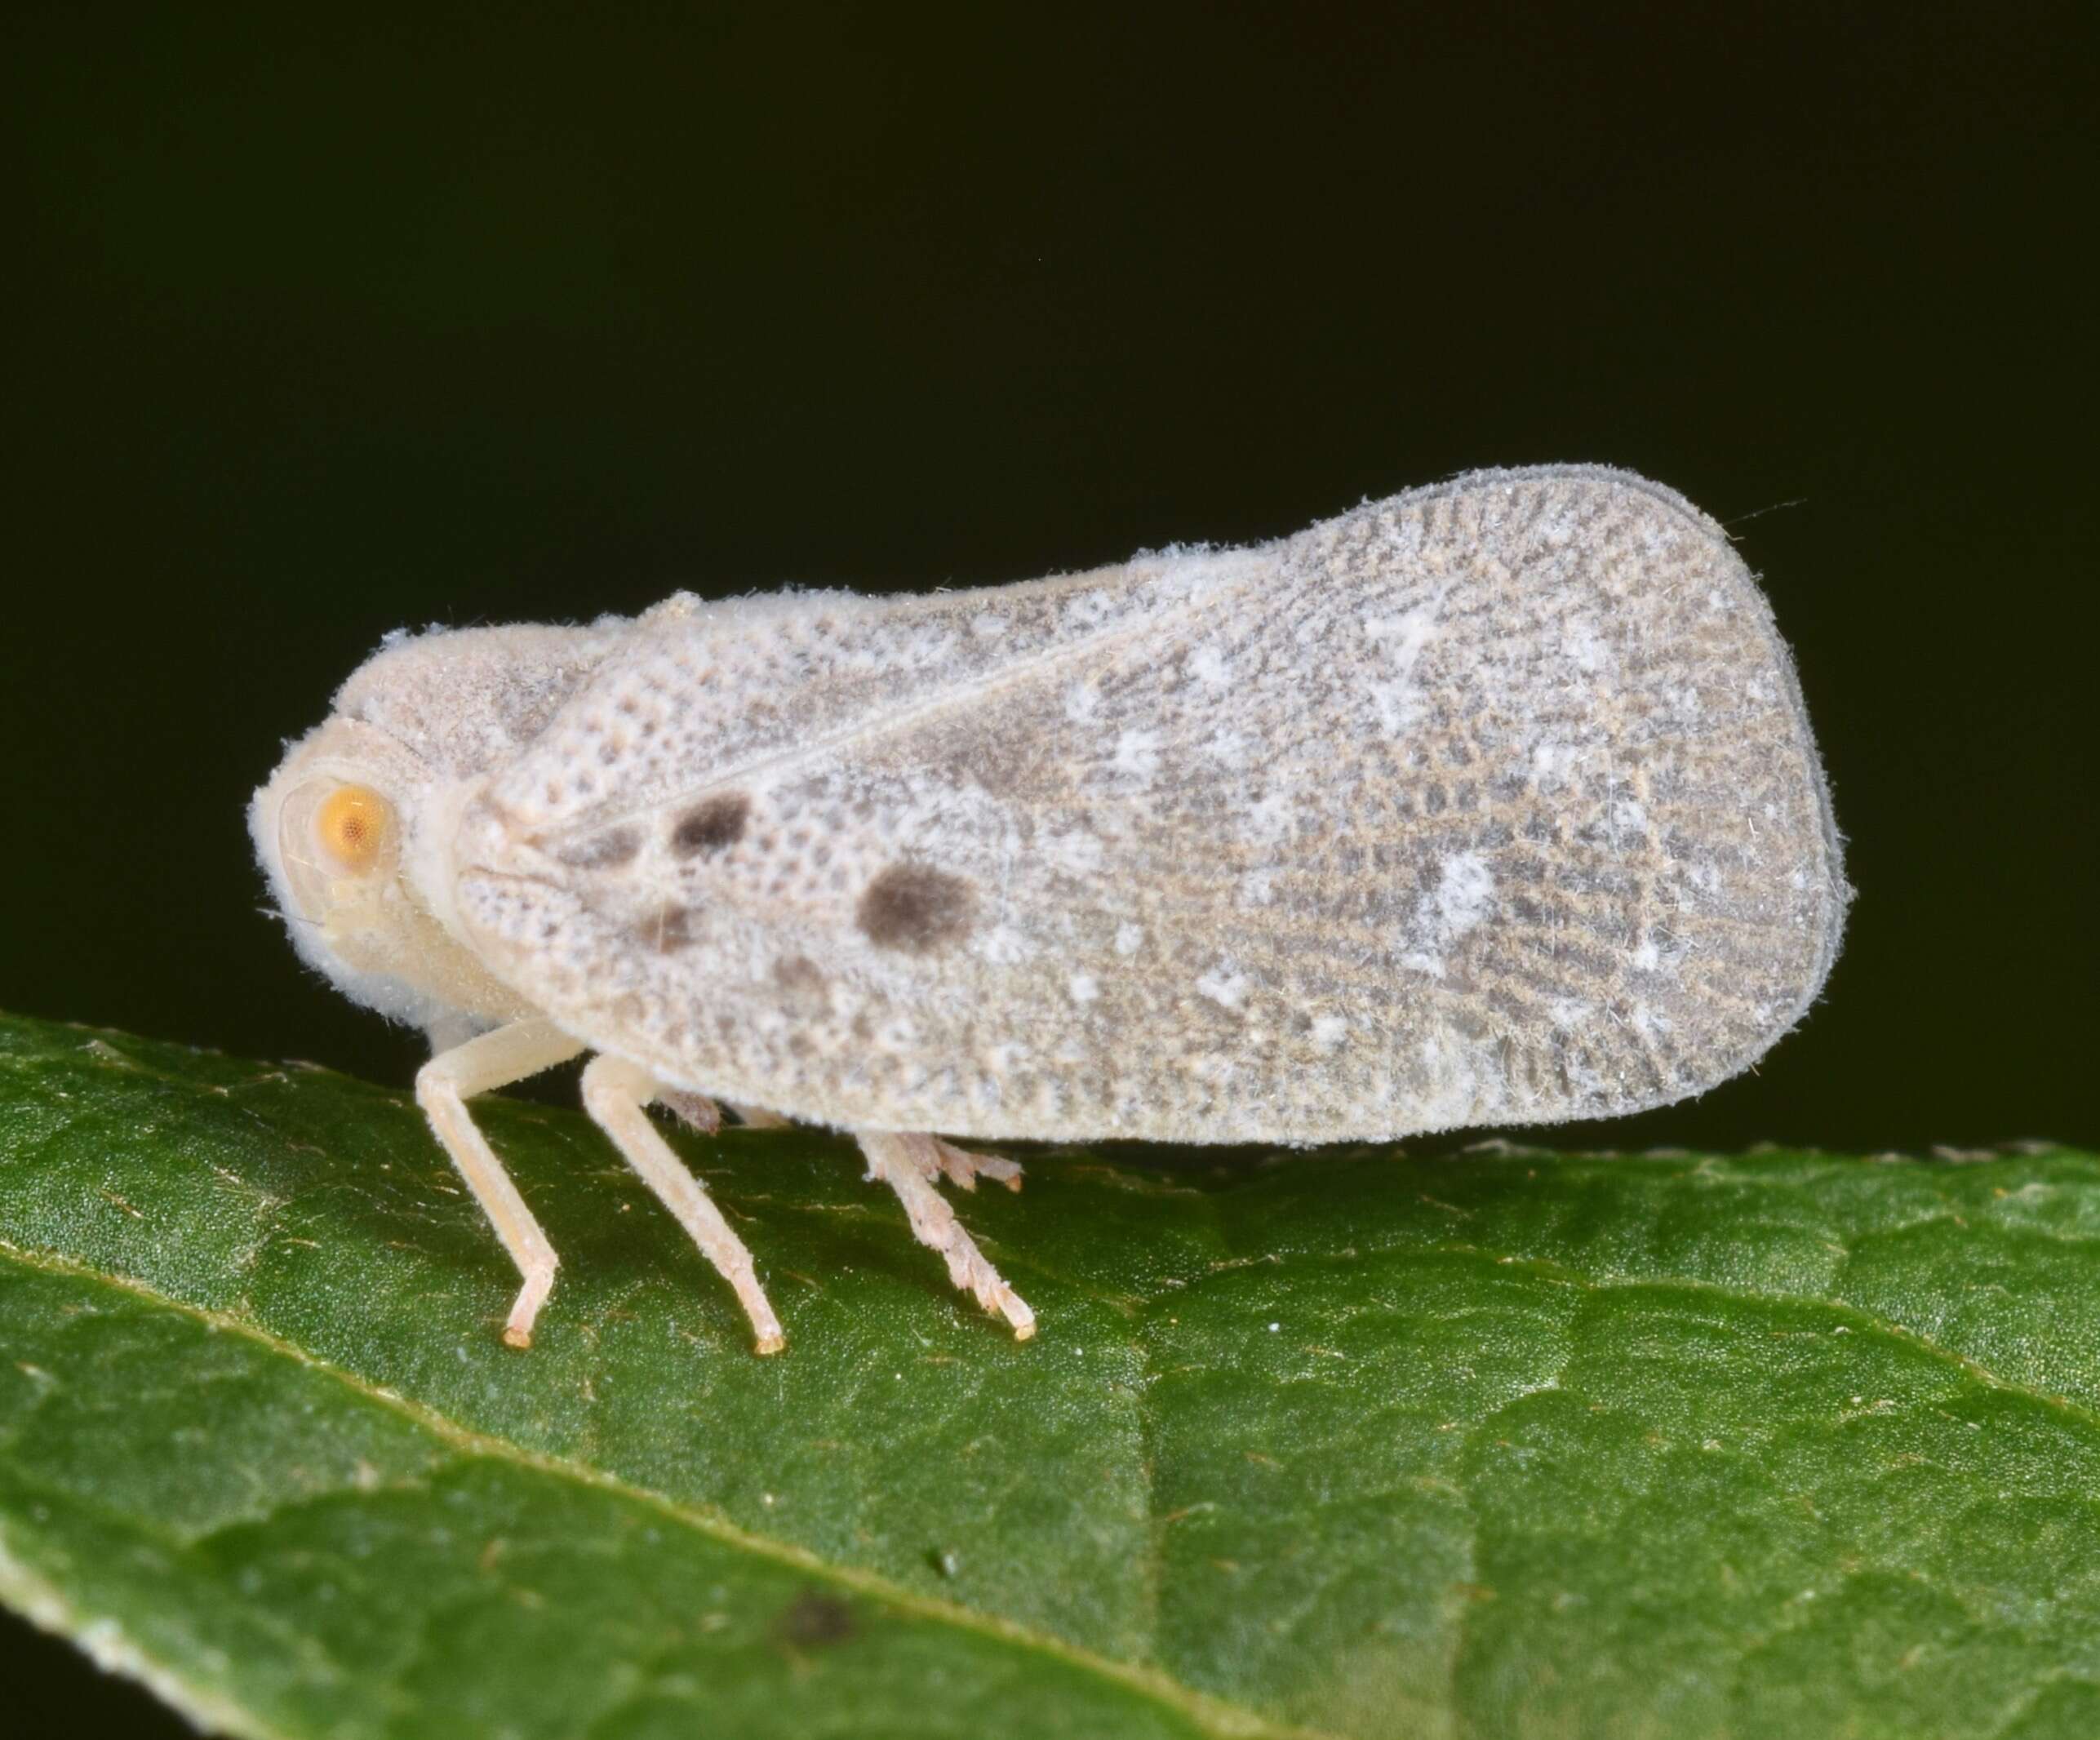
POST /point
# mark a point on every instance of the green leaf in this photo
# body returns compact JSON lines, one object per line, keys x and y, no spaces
{"x":1359,"y":1444}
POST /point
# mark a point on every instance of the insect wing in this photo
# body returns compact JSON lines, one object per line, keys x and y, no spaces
{"x":1490,"y":802}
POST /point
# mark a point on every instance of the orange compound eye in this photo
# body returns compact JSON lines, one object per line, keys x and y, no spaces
{"x":354,"y":826}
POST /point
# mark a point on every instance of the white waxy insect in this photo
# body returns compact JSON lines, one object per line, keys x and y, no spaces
{"x":1491,"y":803}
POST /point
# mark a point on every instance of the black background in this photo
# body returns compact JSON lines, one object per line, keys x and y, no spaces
{"x":319,"y":329}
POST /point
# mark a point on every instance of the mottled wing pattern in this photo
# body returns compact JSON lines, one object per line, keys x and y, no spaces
{"x":1492,"y":802}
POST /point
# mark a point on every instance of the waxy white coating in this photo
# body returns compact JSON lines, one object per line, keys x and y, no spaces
{"x":1493,"y":802}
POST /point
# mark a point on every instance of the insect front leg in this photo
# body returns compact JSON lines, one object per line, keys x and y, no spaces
{"x":443,"y":1086}
{"x":908,"y":1165}
{"x":615,"y":1093}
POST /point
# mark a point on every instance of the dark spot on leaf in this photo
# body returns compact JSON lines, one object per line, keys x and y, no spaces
{"x":710,"y":826}
{"x":606,"y":851}
{"x":914,"y":908}
{"x":813,"y":1620}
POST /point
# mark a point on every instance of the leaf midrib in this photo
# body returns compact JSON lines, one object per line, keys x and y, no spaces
{"x":1228,"y":1719}
{"x":1220,"y":1717}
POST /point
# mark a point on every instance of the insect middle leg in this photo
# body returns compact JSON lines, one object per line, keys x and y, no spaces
{"x":443,"y":1086}
{"x":963,"y":1168}
{"x":615,"y":1093}
{"x":697,"y":1112}
{"x":908,"y":1165}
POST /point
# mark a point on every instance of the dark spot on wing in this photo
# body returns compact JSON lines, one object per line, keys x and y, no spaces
{"x":666,"y":931}
{"x":606,"y":851}
{"x":711,"y":825}
{"x":813,"y":1620}
{"x":915,"y":908}
{"x":801,"y":984}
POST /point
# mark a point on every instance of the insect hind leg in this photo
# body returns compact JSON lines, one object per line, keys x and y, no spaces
{"x":909,"y":1165}
{"x":615,"y":1093}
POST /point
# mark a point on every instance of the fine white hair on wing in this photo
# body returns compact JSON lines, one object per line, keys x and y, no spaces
{"x":1490,"y":802}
